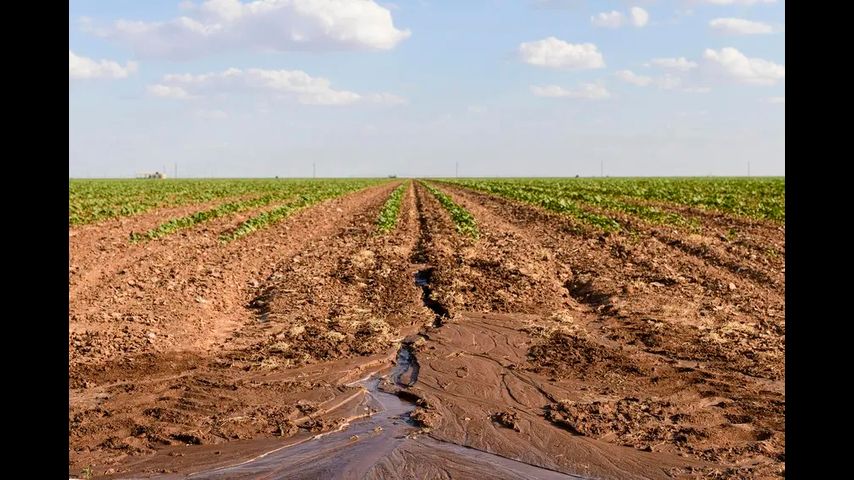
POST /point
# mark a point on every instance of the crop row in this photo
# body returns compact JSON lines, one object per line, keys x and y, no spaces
{"x":96,"y":200}
{"x":387,"y":219}
{"x":463,"y":220}
{"x":762,"y":198}
{"x":323,"y":191}
{"x":196,"y":218}
{"x":542,"y":198}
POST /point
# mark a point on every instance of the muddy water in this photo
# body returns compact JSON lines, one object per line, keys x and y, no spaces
{"x":349,"y":453}
{"x":386,"y":444}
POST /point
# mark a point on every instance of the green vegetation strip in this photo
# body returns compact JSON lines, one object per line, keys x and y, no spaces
{"x":462,"y":219}
{"x":606,"y":201}
{"x":387,"y":219}
{"x":547,"y":200}
{"x":323,"y":191}
{"x":94,"y":200}
{"x":200,"y":217}
{"x":760,"y":198}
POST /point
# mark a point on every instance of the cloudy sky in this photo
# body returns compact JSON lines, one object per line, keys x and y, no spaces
{"x":259,"y":88}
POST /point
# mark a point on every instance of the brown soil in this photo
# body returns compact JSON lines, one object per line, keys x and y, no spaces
{"x":652,"y":354}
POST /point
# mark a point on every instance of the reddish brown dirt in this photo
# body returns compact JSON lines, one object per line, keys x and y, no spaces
{"x":479,"y":391}
{"x":608,"y":356}
{"x":100,"y":249}
{"x":347,"y":294}
{"x":661,"y":332}
{"x":145,"y":366}
{"x":764,"y":237}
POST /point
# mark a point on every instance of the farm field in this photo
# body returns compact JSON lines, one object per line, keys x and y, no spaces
{"x":396,"y":328}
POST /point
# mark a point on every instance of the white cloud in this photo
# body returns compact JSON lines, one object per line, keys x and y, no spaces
{"x":385,"y":99}
{"x":276,"y":25}
{"x":736,"y":2}
{"x":731,"y":63}
{"x":639,"y":16}
{"x":167,"y":91}
{"x":680,"y":64}
{"x":614,"y":19}
{"x":776,"y":100}
{"x":80,"y":68}
{"x":630,"y":77}
{"x":285,"y":84}
{"x":555,"y":53}
{"x":587,"y":91}
{"x":668,"y":82}
{"x":740,"y":26}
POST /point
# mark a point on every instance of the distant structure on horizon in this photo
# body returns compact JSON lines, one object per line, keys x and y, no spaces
{"x":151,"y":175}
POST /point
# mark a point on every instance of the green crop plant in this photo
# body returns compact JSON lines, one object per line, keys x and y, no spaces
{"x":323,"y":190}
{"x":463,"y":220}
{"x":387,"y":219}
{"x":652,"y":199}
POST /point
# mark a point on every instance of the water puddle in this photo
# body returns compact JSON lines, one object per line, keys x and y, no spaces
{"x":348,"y":453}
{"x":382,"y":445}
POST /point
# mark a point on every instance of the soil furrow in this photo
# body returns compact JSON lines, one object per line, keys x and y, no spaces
{"x":636,"y":352}
{"x":540,"y":349}
{"x":100,"y":249}
{"x":192,"y":408}
{"x":630,"y":284}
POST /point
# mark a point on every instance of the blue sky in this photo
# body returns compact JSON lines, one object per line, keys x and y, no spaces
{"x":365,"y":88}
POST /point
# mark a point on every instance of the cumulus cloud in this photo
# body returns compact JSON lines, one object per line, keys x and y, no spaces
{"x":730,"y":63}
{"x":629,"y":76}
{"x":614,"y":19}
{"x":555,"y":53}
{"x":740,"y":26}
{"x":80,"y":68}
{"x":726,"y":64}
{"x":639,"y":17}
{"x":680,"y":64}
{"x":668,"y":82}
{"x":275,"y":25}
{"x":168,"y":91}
{"x":385,"y":99}
{"x":587,"y":91}
{"x":285,"y":84}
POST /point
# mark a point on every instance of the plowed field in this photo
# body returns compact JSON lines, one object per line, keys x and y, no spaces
{"x":538,"y":345}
